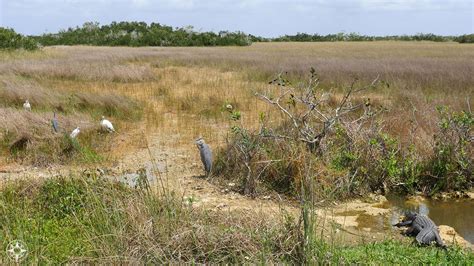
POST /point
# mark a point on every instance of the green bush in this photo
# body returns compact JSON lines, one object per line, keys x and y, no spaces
{"x":467,"y":38}
{"x":451,"y":165}
{"x":141,"y":34}
{"x":10,"y":40}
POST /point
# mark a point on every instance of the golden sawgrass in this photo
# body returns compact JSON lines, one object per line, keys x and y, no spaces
{"x":183,"y":90}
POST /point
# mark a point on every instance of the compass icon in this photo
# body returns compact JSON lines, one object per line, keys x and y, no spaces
{"x":17,"y":250}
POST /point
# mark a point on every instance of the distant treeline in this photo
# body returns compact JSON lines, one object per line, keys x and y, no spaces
{"x":141,"y":34}
{"x":354,"y":37}
{"x":155,"y":34}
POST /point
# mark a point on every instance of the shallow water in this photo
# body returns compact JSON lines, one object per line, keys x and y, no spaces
{"x":458,"y":214}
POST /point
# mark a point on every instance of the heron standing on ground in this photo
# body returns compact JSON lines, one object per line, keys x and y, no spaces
{"x":27,"y":106}
{"x":206,"y":154}
{"x":106,"y":125}
{"x":75,"y":132}
{"x":54,"y":123}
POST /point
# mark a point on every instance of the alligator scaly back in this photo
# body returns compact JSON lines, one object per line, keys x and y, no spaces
{"x":423,"y":228}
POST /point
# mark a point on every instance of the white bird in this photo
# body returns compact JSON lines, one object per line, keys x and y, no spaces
{"x":27,"y":106}
{"x":106,"y":125}
{"x":75,"y":132}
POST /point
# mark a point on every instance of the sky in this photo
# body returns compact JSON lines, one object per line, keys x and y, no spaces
{"x":268,"y":18}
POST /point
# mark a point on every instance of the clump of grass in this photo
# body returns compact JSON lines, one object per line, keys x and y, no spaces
{"x":29,"y":138}
{"x":108,"y":104}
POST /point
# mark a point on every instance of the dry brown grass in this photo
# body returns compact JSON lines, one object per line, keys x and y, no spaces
{"x":183,"y":90}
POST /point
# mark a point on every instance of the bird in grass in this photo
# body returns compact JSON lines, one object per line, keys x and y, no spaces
{"x":54,"y":123}
{"x":206,"y":154}
{"x":106,"y":125}
{"x":27,"y":106}
{"x":75,"y":132}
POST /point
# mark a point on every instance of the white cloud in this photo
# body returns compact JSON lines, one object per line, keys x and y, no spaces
{"x":265,"y":17}
{"x":414,"y":4}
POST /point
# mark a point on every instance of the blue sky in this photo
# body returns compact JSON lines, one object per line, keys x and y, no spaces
{"x":260,"y":17}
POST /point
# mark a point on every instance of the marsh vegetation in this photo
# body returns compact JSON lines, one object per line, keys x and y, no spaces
{"x":419,"y":139}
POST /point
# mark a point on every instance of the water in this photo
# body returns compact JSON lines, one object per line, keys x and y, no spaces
{"x":458,"y":214}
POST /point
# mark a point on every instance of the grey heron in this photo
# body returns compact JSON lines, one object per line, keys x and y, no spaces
{"x":206,"y":154}
{"x":54,"y":123}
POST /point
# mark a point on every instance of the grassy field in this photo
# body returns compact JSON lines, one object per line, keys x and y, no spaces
{"x":178,"y":94}
{"x":183,"y":90}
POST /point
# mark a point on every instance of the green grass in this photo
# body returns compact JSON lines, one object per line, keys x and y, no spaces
{"x":88,"y":219}
{"x":394,"y":252}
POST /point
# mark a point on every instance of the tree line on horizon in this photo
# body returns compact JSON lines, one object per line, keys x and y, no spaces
{"x":155,"y":34}
{"x":341,"y":37}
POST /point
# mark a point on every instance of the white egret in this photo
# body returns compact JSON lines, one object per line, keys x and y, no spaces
{"x":27,"y":106}
{"x":75,"y":132}
{"x":106,"y":125}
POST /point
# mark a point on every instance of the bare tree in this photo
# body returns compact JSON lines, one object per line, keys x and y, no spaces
{"x":308,"y":109}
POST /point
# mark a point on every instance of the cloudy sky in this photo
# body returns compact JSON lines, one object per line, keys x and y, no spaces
{"x":260,"y":17}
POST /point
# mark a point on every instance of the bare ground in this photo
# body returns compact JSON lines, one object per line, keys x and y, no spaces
{"x":179,"y":171}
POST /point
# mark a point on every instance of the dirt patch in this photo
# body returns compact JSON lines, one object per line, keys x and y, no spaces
{"x":451,"y":237}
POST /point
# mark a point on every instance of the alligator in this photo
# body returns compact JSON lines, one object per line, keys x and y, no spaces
{"x":422,"y":227}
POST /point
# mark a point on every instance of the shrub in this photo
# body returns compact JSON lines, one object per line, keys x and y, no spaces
{"x":342,"y":148}
{"x":467,"y":38}
{"x":451,"y":165}
{"x":10,"y":40}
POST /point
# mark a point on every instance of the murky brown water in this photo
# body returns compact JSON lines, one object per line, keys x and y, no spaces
{"x":458,"y":214}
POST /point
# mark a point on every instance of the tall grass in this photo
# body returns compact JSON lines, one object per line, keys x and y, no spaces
{"x":183,"y":90}
{"x":89,"y":219}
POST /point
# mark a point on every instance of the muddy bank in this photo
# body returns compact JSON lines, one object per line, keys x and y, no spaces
{"x":372,"y":219}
